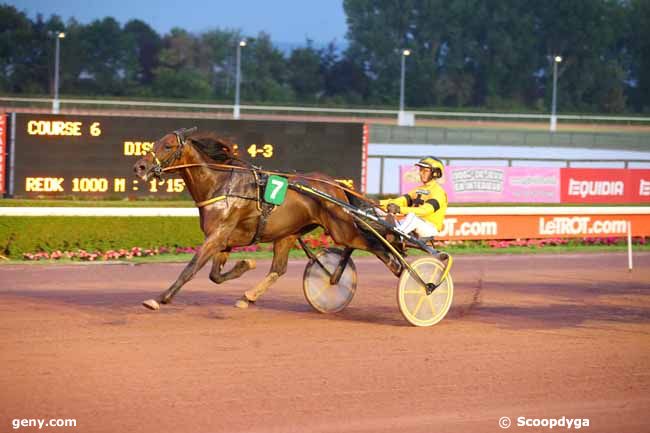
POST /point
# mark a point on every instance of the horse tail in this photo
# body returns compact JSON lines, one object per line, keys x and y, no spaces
{"x":370,"y":237}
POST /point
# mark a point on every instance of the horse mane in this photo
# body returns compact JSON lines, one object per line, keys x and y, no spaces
{"x":219,"y":149}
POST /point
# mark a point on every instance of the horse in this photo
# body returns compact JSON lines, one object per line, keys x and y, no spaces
{"x":226,"y":191}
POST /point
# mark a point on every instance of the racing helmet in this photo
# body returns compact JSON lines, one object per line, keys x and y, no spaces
{"x":436,"y":166}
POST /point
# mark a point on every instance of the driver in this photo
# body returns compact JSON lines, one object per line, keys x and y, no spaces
{"x":424,"y":207}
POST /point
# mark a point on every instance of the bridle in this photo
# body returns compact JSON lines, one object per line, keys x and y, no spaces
{"x":160,"y":166}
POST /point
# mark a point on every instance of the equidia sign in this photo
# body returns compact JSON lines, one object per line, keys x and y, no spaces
{"x":593,"y":185}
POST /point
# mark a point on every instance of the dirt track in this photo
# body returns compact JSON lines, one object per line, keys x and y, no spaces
{"x":534,"y":336}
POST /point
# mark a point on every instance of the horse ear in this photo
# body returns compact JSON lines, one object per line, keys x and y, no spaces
{"x":183,"y":133}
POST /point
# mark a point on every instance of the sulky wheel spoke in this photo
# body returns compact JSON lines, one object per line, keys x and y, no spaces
{"x":320,"y":292}
{"x":433,"y":309}
{"x":417,"y":307}
{"x":413,"y":292}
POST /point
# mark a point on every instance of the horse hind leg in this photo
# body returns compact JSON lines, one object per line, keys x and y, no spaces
{"x":350,"y":237}
{"x":281,"y":250}
{"x":237,"y":271}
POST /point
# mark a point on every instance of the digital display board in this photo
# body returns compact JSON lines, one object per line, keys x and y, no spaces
{"x":93,"y":156}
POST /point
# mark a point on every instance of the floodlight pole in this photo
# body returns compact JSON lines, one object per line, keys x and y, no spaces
{"x":402,"y":119}
{"x":556,"y":60}
{"x":235,"y":111}
{"x":403,"y":79}
{"x":57,"y":51}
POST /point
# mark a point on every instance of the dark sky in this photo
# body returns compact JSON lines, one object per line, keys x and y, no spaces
{"x":287,"y":21}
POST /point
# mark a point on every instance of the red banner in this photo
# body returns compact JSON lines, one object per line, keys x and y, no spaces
{"x":3,"y":151}
{"x":598,"y":185}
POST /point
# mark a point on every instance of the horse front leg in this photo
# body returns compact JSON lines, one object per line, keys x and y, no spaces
{"x":215,"y":243}
{"x":281,"y":250}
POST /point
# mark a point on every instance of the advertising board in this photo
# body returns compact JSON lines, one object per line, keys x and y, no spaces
{"x":492,"y":184}
{"x":605,"y":185}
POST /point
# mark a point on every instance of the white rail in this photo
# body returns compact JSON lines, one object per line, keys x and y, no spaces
{"x":362,"y":111}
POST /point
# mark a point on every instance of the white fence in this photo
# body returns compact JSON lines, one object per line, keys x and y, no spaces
{"x":287,"y":110}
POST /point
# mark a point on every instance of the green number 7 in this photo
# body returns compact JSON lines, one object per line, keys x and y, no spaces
{"x":277,"y":186}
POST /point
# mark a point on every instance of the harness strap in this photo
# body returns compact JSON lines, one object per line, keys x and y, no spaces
{"x":261,"y":222}
{"x":210,"y":201}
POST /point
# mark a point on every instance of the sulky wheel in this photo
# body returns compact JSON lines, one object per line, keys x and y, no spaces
{"x":417,"y":308}
{"x":319,"y":292}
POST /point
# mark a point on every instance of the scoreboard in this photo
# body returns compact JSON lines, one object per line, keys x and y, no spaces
{"x":93,"y":156}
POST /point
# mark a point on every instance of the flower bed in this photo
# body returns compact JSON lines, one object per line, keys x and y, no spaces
{"x":320,"y":241}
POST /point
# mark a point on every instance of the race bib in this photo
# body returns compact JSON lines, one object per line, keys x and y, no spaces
{"x":276,"y":190}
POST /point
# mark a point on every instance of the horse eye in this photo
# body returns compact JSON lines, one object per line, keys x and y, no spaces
{"x":168,"y":147}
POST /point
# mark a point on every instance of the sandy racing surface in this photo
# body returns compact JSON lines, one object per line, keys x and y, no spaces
{"x":532,"y":336}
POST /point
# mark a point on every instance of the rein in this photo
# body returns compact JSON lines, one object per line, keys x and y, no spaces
{"x":256,"y":170}
{"x":181,"y":136}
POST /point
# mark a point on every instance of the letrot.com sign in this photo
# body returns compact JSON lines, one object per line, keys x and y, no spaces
{"x":510,"y":223}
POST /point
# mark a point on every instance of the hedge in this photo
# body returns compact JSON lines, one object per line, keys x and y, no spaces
{"x":20,"y":235}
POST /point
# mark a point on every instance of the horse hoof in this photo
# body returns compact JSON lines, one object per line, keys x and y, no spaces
{"x":242,"y":303}
{"x":252,"y":264}
{"x":151,"y":304}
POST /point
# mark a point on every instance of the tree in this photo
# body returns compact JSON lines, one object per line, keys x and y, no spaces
{"x":344,"y":79}
{"x":637,"y":40}
{"x":108,"y":58}
{"x":26,"y":51}
{"x":501,"y":42}
{"x":304,"y":73}
{"x":585,"y":34}
{"x":177,"y":74}
{"x":465,"y":53}
{"x":378,"y":30}
{"x":146,"y":44}
{"x":218,"y":48}
{"x":264,"y":72}
{"x":14,"y":46}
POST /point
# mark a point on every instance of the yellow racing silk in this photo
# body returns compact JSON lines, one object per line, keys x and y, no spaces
{"x":428,"y":202}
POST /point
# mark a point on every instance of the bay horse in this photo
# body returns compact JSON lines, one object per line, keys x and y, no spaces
{"x":225,"y":189}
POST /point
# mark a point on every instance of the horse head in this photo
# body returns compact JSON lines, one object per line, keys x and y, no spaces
{"x":164,"y":154}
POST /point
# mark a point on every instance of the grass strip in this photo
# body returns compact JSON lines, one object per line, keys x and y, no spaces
{"x":299,"y":254}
